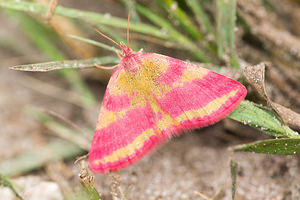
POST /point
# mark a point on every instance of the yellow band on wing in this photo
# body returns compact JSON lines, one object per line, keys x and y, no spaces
{"x":166,"y":122}
{"x":208,"y":109}
{"x":107,"y":117}
{"x":163,"y":123}
{"x":127,"y":150}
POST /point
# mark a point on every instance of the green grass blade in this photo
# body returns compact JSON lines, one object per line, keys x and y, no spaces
{"x":285,"y":146}
{"x":185,"y":22}
{"x":158,"y":20}
{"x":188,"y":25}
{"x":201,"y":16}
{"x":37,"y":157}
{"x":261,"y":118}
{"x":95,"y":18}
{"x":60,"y":129}
{"x":226,"y":17}
{"x":174,"y":34}
{"x":5,"y":182}
{"x":74,"y":64}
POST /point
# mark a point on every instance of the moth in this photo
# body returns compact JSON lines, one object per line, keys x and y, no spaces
{"x":150,"y":98}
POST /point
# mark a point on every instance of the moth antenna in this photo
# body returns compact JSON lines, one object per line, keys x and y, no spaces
{"x":105,"y":36}
{"x":102,"y":34}
{"x":128,"y":20}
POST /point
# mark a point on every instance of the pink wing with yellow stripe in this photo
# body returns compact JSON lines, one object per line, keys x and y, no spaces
{"x":151,"y":97}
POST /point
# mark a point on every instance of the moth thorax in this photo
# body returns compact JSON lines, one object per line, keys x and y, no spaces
{"x":126,"y":51}
{"x":131,"y":62}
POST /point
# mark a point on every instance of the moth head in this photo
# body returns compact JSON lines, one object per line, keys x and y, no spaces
{"x":125,"y":49}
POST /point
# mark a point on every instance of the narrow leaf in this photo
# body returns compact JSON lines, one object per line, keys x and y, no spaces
{"x":285,"y":146}
{"x":55,"y":150}
{"x":176,"y":36}
{"x":185,"y":22}
{"x":75,"y":64}
{"x":262,"y":119}
{"x":201,"y":16}
{"x":226,"y":16}
{"x":163,"y":23}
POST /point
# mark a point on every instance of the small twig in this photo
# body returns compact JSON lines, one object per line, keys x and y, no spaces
{"x":202,"y":195}
{"x":233,"y":173}
{"x":67,"y":121}
{"x":55,"y":172}
{"x":51,"y":9}
{"x":80,"y":158}
{"x":220,"y":194}
{"x":59,"y":129}
{"x":151,"y":39}
{"x":51,"y":90}
{"x":115,"y":185}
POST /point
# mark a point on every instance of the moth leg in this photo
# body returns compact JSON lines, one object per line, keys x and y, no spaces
{"x":105,"y":67}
